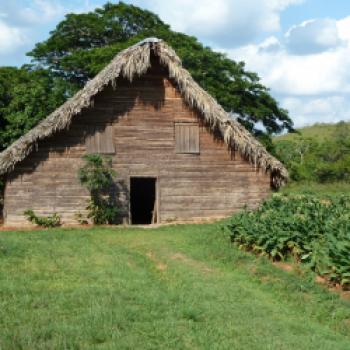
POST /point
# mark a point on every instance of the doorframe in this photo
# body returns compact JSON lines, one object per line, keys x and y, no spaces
{"x":157,"y":194}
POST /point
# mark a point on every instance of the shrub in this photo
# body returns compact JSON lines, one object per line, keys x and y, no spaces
{"x":312,"y":229}
{"x":80,"y":218}
{"x":98,"y":176}
{"x":53,"y":220}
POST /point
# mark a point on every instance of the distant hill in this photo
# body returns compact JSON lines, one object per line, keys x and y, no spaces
{"x":318,"y":153}
{"x":318,"y":132}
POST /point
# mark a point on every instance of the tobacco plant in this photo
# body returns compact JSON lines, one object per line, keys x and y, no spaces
{"x":311,"y":229}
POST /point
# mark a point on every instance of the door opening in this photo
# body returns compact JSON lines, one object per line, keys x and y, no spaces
{"x":143,"y":200}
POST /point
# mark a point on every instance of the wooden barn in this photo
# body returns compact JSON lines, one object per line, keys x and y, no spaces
{"x":174,"y":148}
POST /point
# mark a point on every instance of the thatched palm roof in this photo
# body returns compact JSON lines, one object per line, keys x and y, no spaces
{"x":133,"y":62}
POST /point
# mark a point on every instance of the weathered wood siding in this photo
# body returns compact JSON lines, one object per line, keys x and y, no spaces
{"x":211,"y":184}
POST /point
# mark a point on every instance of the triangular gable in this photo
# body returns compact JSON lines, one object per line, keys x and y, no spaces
{"x":133,"y":62}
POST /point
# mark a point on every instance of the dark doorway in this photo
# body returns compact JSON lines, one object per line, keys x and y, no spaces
{"x":143,"y":204}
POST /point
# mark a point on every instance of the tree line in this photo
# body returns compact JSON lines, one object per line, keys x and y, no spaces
{"x":82,"y":44}
{"x":317,"y":159}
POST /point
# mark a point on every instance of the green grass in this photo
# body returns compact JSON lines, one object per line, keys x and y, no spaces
{"x":324,"y":189}
{"x":175,"y":287}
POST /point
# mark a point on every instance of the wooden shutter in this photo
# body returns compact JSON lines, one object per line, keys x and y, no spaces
{"x":187,"y":137}
{"x":100,"y":141}
{"x":106,"y":142}
{"x":91,"y":147}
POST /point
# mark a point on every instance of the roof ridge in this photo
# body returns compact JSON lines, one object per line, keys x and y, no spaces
{"x":153,"y":40}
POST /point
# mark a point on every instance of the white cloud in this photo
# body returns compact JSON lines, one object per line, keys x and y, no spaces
{"x":226,"y":22}
{"x":343,"y":26}
{"x":313,"y":36}
{"x":270,"y":44}
{"x":26,"y":22}
{"x":314,"y":87}
{"x":41,"y":11}
{"x":322,"y":73}
{"x":308,"y":110}
{"x":11,"y":38}
{"x":21,"y":13}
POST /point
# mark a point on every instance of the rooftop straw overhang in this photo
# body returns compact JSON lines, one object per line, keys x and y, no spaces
{"x":134,"y":62}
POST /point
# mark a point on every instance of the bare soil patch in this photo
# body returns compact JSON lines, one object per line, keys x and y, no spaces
{"x":159,"y":264}
{"x":192,"y":263}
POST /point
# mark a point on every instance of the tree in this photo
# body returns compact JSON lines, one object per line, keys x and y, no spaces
{"x":26,"y":97}
{"x":320,"y":160}
{"x":82,"y":44}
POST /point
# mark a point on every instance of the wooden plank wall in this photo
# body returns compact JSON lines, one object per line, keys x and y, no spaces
{"x":211,"y":184}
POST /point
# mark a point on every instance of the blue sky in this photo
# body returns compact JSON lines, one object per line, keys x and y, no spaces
{"x":336,"y":9}
{"x":300,"y":48}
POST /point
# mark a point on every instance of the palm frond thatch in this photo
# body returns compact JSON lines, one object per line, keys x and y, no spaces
{"x":133,"y":62}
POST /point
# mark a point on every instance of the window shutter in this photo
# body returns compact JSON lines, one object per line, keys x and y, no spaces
{"x":106,"y":141}
{"x":100,"y":141}
{"x":187,"y":138}
{"x":91,"y":146}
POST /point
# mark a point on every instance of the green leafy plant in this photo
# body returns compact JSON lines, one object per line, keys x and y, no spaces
{"x":81,"y":218}
{"x":53,"y":220}
{"x":98,"y":176}
{"x":313,"y":230}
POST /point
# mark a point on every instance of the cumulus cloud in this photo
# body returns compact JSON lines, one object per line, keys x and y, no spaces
{"x":21,"y":13}
{"x":313,"y":36}
{"x":228,"y":23}
{"x":40,"y":11}
{"x":26,"y":22}
{"x":327,"y":109}
{"x":343,"y":27}
{"x":313,"y":86}
{"x":11,"y":38}
{"x":321,"y":73}
{"x":270,"y":45}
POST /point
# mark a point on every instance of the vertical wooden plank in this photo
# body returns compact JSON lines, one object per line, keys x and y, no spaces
{"x":88,"y":143}
{"x":90,"y":140}
{"x":103,"y":141}
{"x":192,"y":144}
{"x":94,"y":141}
{"x":195,"y":139}
{"x":182,"y":139}
{"x":110,"y":147}
{"x":186,"y":129}
{"x":97,"y":141}
{"x":178,"y":138}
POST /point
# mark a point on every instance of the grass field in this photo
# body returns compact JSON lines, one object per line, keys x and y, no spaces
{"x":174,"y":287}
{"x":322,"y":189}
